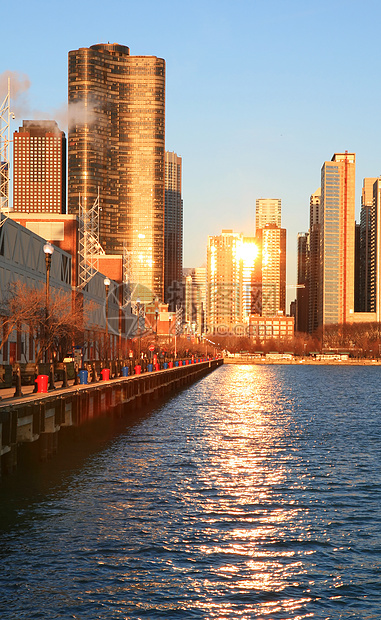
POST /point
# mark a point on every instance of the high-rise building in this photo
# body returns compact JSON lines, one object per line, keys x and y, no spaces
{"x":271,"y":241}
{"x":314,"y":261}
{"x":116,"y":150}
{"x":337,"y":240}
{"x":365,"y":250}
{"x":374,"y":252}
{"x":268,"y":211}
{"x":303,"y":283}
{"x":173,"y":229}
{"x":195,"y":299}
{"x":39,"y":168}
{"x":230,"y":265}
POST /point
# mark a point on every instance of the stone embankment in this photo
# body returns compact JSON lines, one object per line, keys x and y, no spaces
{"x":39,"y":418}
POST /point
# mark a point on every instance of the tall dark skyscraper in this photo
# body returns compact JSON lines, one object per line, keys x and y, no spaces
{"x":314,"y":261}
{"x":303,"y":281}
{"x":173,"y":237}
{"x":117,"y":147}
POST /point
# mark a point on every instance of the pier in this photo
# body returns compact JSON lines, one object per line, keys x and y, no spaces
{"x":39,"y":418}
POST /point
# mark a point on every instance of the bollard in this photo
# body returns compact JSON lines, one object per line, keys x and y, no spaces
{"x":138,"y":369}
{"x":64,"y":380}
{"x":125,"y":371}
{"x":18,"y":393}
{"x":94,"y":377}
{"x":35,"y":379}
{"x":105,"y":372}
{"x":76,"y":380}
{"x":42,"y":384}
{"x":51,"y":378}
{"x":83,"y":376}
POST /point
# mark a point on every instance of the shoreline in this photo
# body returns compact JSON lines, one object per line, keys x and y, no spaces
{"x":302,"y":361}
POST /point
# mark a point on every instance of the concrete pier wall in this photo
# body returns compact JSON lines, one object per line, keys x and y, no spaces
{"x":40,"y":417}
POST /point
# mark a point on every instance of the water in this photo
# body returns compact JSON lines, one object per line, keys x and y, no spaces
{"x":255,"y":493}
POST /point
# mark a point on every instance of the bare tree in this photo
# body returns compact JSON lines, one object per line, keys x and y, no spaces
{"x":55,"y":328}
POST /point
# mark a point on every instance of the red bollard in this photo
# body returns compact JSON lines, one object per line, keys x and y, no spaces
{"x":42,"y":384}
{"x":138,"y":369}
{"x":170,"y":364}
{"x":105,"y":372}
{"x":157,"y":366}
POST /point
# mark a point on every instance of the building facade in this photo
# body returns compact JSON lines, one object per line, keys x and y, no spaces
{"x":268,"y":211}
{"x":365,"y":250}
{"x":303,"y":283}
{"x":337,"y":240}
{"x":116,"y":152}
{"x":231,"y":261}
{"x":39,"y":168}
{"x":271,"y":276}
{"x":314,"y":261}
{"x":173,"y":230}
{"x":195,"y":299}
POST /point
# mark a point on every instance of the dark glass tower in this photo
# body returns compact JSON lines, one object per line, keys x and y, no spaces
{"x":173,"y":237}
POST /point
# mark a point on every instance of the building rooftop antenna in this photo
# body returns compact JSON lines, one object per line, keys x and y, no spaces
{"x":5,"y":140}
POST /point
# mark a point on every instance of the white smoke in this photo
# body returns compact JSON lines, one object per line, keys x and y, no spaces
{"x":20,"y":84}
{"x":66,"y":116}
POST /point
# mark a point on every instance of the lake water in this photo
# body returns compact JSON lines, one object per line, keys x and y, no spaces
{"x":255,"y":493}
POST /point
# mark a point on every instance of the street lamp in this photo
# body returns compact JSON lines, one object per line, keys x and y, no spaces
{"x":48,"y":251}
{"x":156,"y":317}
{"x":138,"y":330}
{"x":107,"y":286}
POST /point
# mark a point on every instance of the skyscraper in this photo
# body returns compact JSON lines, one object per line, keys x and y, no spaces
{"x":39,"y":168}
{"x":268,"y":211}
{"x":271,"y":266}
{"x":230,"y":263}
{"x":303,"y":283}
{"x":173,"y":235}
{"x":271,"y":241}
{"x":195,"y":299}
{"x":314,"y":261}
{"x":367,"y":216}
{"x":116,"y":148}
{"x":374,"y":252}
{"x":337,"y":240}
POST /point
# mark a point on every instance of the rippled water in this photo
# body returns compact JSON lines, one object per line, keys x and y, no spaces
{"x":253,"y":494}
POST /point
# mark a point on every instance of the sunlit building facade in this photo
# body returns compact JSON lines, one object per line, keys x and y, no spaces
{"x":268,"y":211}
{"x":271,"y":277}
{"x":337,"y":240}
{"x":39,"y":168}
{"x":116,"y":149}
{"x":230,"y":267}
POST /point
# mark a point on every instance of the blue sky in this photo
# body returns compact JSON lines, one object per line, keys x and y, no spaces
{"x":259,"y":94}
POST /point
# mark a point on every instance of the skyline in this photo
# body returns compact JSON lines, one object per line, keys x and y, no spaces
{"x":258,"y":97}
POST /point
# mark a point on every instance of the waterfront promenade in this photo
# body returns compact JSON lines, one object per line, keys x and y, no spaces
{"x":37,"y":418}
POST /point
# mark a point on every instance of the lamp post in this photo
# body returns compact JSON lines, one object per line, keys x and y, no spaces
{"x":107,"y":286}
{"x":138,"y":330}
{"x":48,"y":251}
{"x":156,"y":317}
